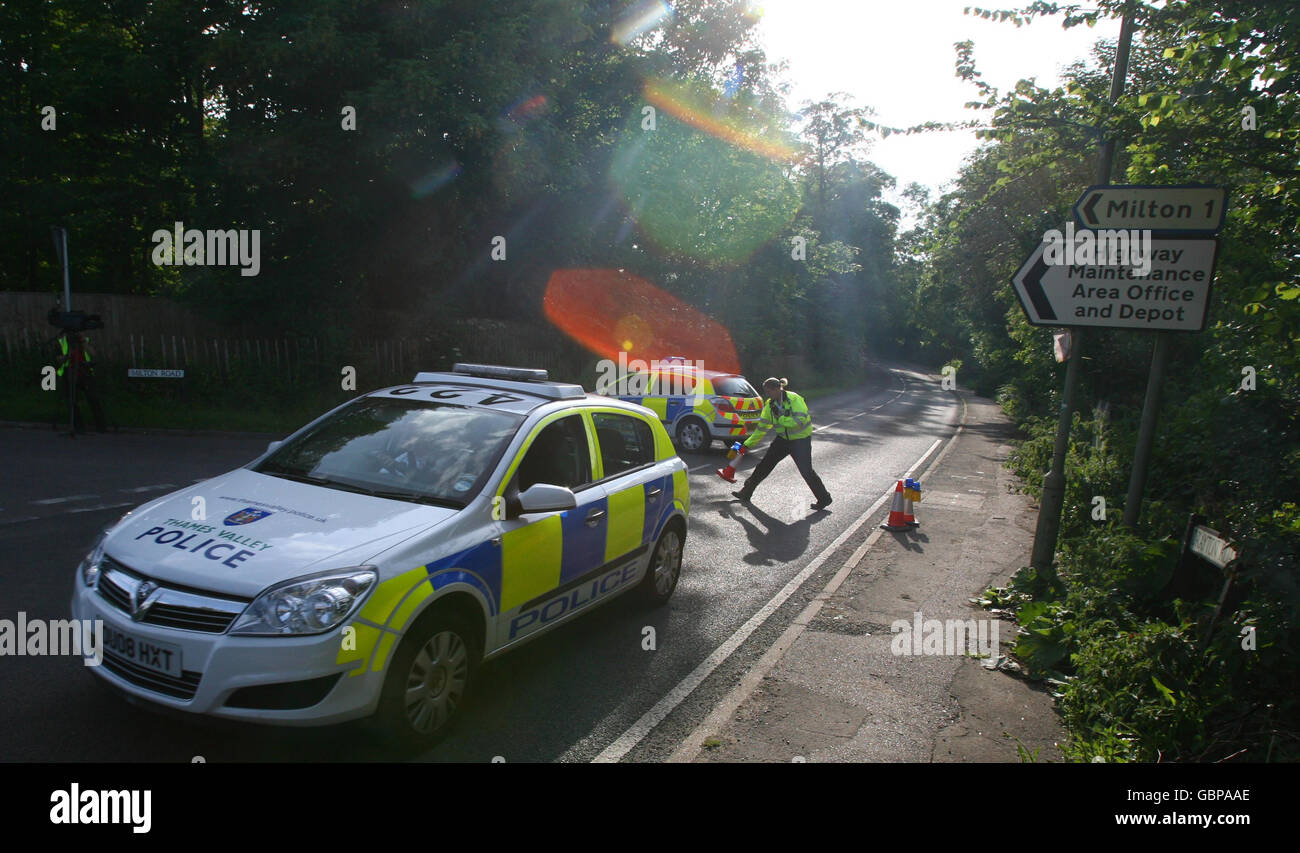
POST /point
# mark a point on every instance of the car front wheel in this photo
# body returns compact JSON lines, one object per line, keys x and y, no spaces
{"x":430,"y":678}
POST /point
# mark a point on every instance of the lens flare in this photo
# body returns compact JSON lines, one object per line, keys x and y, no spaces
{"x":527,"y":109}
{"x":645,"y":17}
{"x":711,"y":181}
{"x":612,"y":311}
{"x":681,"y":105}
{"x":435,"y":180}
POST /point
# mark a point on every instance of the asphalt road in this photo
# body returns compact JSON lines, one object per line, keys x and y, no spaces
{"x":565,"y":697}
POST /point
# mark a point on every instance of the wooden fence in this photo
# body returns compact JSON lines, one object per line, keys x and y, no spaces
{"x":303,"y":358}
{"x":145,"y":332}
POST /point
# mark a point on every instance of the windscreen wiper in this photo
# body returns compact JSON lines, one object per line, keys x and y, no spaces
{"x":417,"y":498}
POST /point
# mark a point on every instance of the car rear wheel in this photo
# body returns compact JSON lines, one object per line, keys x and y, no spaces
{"x":430,"y":678}
{"x":693,"y":435}
{"x":665,"y":565}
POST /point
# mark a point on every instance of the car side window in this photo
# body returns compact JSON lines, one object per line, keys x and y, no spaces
{"x":558,"y":456}
{"x":625,"y":442}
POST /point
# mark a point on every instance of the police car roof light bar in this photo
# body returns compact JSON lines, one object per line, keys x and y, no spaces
{"x":545,"y":390}
{"x":496,"y":371}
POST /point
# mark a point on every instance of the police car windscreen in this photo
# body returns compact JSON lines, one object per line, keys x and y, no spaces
{"x":403,"y":449}
{"x":733,"y":386}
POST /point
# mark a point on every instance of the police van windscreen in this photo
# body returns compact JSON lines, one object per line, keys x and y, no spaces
{"x":733,"y":386}
{"x":427,"y":452}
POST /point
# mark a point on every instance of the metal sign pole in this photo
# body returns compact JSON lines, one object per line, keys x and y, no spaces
{"x":67,"y":282}
{"x":1147,"y":431}
{"x":1049,"y":508}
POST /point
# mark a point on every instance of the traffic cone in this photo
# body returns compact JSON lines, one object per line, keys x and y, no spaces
{"x":897,"y":522}
{"x":911,"y":492}
{"x":738,"y":451}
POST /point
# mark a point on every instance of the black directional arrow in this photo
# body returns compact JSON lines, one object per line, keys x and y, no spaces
{"x":1089,"y":217}
{"x":1031,"y":280}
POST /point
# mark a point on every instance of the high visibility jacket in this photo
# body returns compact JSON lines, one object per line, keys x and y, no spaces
{"x":790,"y":419}
{"x":63,"y":351}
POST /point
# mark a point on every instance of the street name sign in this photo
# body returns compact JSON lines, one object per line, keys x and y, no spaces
{"x":1186,"y":209}
{"x":1209,"y":545}
{"x":153,"y":373}
{"x":1171,"y":297}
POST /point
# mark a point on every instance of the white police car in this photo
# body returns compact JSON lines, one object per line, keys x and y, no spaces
{"x":370,"y":561}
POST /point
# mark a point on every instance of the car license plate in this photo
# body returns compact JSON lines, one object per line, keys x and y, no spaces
{"x":159,"y":657}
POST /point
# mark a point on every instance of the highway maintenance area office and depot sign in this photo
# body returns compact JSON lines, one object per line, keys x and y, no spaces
{"x":1172,"y":296}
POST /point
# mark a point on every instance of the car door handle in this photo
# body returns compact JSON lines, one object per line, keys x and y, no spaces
{"x":594,"y":516}
{"x":654,"y":494}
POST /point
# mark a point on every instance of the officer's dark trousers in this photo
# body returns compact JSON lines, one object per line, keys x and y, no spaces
{"x":86,"y":389}
{"x":801,"y":450}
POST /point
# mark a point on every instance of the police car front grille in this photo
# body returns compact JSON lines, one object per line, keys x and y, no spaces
{"x":186,"y":610}
{"x":159,"y":682}
{"x":188,"y":618}
{"x":114,"y":594}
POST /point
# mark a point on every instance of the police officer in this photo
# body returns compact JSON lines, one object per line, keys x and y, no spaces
{"x":788,"y":414}
{"x":74,"y":354}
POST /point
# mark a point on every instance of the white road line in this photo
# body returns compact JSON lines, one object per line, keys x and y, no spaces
{"x":900,"y":393}
{"x":643,"y":726}
{"x":156,"y":488}
{"x":101,"y":506}
{"x":49,"y":501}
{"x":689,"y":748}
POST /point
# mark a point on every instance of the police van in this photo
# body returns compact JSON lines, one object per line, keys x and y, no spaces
{"x":369,"y":562}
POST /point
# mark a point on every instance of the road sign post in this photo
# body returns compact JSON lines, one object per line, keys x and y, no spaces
{"x":1049,"y":507}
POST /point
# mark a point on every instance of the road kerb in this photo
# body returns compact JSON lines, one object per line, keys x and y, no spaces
{"x":690,"y":748}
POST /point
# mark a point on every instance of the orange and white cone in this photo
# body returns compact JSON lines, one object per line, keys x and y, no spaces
{"x":911,"y":492}
{"x":897,"y":521}
{"x":736,"y":454}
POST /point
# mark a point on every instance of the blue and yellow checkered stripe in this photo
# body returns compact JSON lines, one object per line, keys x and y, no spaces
{"x":531,"y":561}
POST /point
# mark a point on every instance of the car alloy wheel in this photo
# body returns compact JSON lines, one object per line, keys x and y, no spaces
{"x":665,"y":566}
{"x":430,"y":678}
{"x":693,"y":435}
{"x":436,"y":682}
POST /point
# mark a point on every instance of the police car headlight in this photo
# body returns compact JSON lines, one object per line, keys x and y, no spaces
{"x":310,"y":605}
{"x":90,"y":564}
{"x":89,"y":568}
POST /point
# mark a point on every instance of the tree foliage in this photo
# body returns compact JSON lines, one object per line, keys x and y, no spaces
{"x":1211,"y":98}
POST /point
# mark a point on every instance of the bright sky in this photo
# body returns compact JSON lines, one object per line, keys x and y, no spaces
{"x":896,"y":56}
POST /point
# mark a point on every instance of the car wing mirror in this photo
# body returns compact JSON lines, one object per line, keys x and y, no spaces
{"x":544,"y":497}
{"x":273,"y":445}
